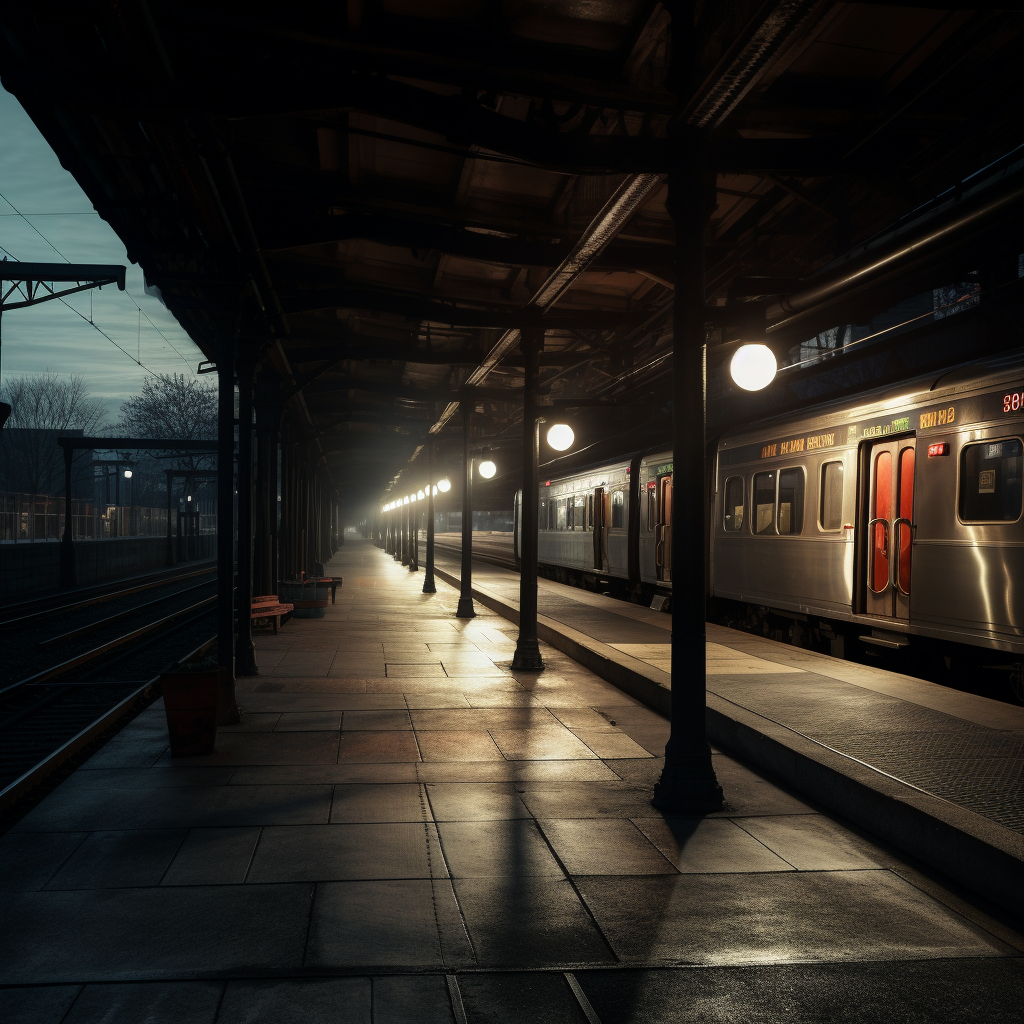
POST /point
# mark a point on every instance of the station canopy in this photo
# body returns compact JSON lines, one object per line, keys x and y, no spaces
{"x":376,"y":197}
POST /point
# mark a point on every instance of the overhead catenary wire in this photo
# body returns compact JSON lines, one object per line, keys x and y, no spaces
{"x":142,"y":313}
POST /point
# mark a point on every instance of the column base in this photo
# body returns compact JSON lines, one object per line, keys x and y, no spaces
{"x":227,"y":707}
{"x":428,"y":585}
{"x":527,"y":657}
{"x":465,"y":609}
{"x":245,"y":658}
{"x":688,"y":786}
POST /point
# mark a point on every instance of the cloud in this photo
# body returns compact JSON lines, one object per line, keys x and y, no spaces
{"x":51,"y":336}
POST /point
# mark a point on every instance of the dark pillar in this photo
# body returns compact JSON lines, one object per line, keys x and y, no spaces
{"x":414,"y":536}
{"x":67,"y":544}
{"x":466,"y":609}
{"x":169,"y":548}
{"x":527,"y":657}
{"x":268,"y":424}
{"x":245,"y":649}
{"x":688,"y":782}
{"x":429,"y":586}
{"x":227,"y":709}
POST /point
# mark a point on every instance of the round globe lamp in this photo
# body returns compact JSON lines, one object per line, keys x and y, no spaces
{"x":753,"y":367}
{"x":561,"y":437}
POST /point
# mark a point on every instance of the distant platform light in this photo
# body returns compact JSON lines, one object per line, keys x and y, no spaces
{"x":487,"y":469}
{"x":753,"y":367}
{"x":189,"y":498}
{"x":433,"y":491}
{"x":127,"y":474}
{"x":420,"y":494}
{"x":444,"y":486}
{"x":561,"y":437}
{"x":405,"y":500}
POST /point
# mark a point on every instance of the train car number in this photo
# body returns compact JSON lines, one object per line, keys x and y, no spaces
{"x":1013,"y":402}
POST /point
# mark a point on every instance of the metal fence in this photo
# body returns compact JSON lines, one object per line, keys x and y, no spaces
{"x":27,"y":518}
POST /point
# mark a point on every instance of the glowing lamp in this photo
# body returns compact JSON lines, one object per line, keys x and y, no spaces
{"x":444,"y":486}
{"x":753,"y":367}
{"x":420,"y":494}
{"x":561,"y":437}
{"x":487,"y":469}
{"x":127,"y":474}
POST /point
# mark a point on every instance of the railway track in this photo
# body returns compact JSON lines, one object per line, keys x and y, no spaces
{"x":69,"y":677}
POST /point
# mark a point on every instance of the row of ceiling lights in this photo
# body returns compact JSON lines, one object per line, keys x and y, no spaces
{"x":560,"y":436}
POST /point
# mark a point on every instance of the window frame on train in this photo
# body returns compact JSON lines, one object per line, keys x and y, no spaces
{"x":823,"y":492}
{"x":731,"y":503}
{"x":618,"y":521}
{"x":962,"y":475}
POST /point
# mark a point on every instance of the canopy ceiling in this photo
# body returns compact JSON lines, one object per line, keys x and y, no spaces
{"x":377,"y":196}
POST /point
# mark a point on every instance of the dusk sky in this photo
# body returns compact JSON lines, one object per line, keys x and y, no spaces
{"x":51,"y":337}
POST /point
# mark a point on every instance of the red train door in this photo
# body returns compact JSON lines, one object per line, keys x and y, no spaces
{"x":888,"y":549}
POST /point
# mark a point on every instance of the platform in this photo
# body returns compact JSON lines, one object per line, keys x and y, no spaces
{"x":937,"y":772}
{"x":405,"y":830}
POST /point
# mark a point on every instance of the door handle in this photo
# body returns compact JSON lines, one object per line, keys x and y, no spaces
{"x":871,"y":533}
{"x":895,"y":531}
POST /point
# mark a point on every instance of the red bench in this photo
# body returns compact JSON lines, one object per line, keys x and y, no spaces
{"x":268,"y":607}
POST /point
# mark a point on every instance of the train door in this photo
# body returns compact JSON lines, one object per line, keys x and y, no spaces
{"x":663,"y":529}
{"x":890,"y":532}
{"x":600,"y":541}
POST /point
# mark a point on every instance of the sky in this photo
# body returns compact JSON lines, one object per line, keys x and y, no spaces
{"x":58,"y":224}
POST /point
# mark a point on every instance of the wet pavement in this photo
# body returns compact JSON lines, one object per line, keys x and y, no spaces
{"x":403,"y":829}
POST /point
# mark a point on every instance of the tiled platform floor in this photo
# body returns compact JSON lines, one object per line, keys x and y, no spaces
{"x":404,"y":830}
{"x":966,"y":749}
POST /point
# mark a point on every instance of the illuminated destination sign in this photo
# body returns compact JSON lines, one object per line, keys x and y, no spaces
{"x":936,"y":418}
{"x":808,"y":443}
{"x":895,"y":426}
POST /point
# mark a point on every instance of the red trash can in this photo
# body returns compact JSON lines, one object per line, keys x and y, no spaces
{"x":190,"y":701}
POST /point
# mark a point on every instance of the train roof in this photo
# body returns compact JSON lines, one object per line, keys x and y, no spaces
{"x":930,"y":387}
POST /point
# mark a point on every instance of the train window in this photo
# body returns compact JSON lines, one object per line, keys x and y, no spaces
{"x":652,"y":506}
{"x":543,"y":517}
{"x":830,"y":507}
{"x":590,"y":511}
{"x":579,"y":513}
{"x":618,"y":509}
{"x":990,"y":481}
{"x":791,"y":501}
{"x":560,"y":523}
{"x":764,"y":502}
{"x":733,"y":521}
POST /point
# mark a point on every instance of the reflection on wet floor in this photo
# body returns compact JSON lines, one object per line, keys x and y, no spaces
{"x":397,"y":801}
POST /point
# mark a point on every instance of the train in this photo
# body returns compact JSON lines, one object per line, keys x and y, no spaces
{"x":887,"y":520}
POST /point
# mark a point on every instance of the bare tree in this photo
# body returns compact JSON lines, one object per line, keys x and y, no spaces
{"x":169,"y":406}
{"x":44,"y":406}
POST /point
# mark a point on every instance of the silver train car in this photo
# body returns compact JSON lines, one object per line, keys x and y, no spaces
{"x":895,"y":516}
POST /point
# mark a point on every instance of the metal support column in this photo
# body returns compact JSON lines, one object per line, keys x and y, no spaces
{"x":688,"y":781}
{"x":67,"y":544}
{"x":227,"y":709}
{"x":245,"y":649}
{"x":414,"y":536}
{"x":429,"y":586}
{"x":466,"y":609}
{"x":527,"y":657}
{"x":169,"y":547}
